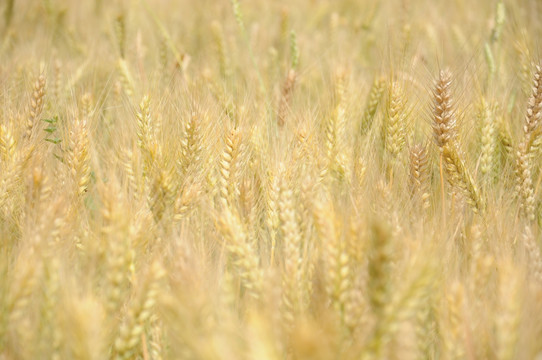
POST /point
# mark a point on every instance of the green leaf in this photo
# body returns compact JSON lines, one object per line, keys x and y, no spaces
{"x":53,"y":120}
{"x":58,"y":157}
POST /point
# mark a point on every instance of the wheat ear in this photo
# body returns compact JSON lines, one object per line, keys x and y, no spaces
{"x":420,"y":177}
{"x":36,"y":106}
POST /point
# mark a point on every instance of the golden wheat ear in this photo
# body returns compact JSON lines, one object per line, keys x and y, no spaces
{"x":395,"y":127}
{"x":444,"y":119}
{"x":459,"y":177}
{"x":36,"y":106}
{"x":374,"y":98}
{"x":444,"y":122}
{"x":78,"y":155}
{"x":420,"y":177}
{"x":524,"y":157}
{"x":489,"y":139}
{"x":533,"y":117}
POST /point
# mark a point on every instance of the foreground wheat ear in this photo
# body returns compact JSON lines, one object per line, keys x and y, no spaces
{"x":445,"y":133}
{"x":531,"y":130}
{"x":237,"y":180}
{"x":444,"y":117}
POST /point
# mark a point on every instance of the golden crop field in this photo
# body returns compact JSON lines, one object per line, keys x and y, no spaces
{"x":252,"y":179}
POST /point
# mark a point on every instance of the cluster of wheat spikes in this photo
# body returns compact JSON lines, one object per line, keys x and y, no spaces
{"x":309,"y":179}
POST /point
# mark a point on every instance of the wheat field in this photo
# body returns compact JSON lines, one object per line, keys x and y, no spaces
{"x":251,"y":179}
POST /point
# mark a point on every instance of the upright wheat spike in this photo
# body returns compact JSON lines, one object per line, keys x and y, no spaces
{"x":228,"y":167}
{"x":532,"y":130}
{"x":145,"y":132}
{"x":294,"y":50}
{"x":191,"y":146}
{"x":7,"y":142}
{"x":420,"y":177}
{"x":444,"y":122}
{"x":524,"y":187}
{"x":126,"y":77}
{"x":162,"y":186}
{"x":533,"y":117}
{"x":36,"y":106}
{"x":444,"y":119}
{"x":293,"y":274}
{"x":490,"y":60}
{"x":375,"y":95}
{"x":272,"y":219}
{"x":129,"y":163}
{"x":120,"y":32}
{"x":500,"y":17}
{"x":78,"y":156}
{"x":488,"y":140}
{"x":396,"y":120}
{"x":330,"y":141}
{"x":335,"y":128}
